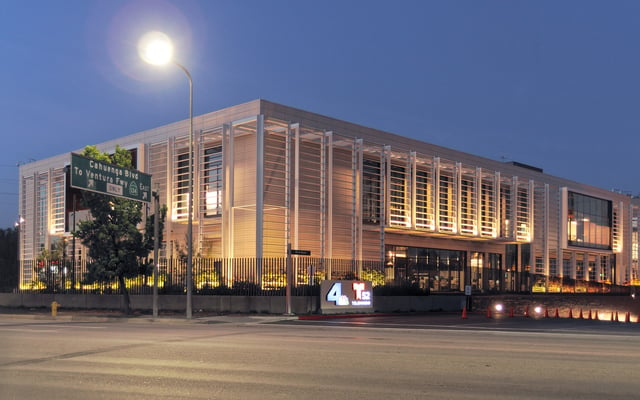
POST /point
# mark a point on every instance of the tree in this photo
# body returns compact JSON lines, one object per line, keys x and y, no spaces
{"x":116,"y":246}
{"x":9,"y":270}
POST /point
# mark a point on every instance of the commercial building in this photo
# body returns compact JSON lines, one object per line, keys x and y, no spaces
{"x":268,"y":176}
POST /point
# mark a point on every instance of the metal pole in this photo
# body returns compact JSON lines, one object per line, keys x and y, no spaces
{"x":190,"y":197}
{"x":156,"y":247}
{"x":289,"y":265}
{"x":73,"y":245}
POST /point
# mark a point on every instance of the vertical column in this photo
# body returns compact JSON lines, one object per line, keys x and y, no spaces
{"x":21,"y":226}
{"x":295,"y":129}
{"x":259,"y":195}
{"x":197,"y":190}
{"x":412,"y":190}
{"x":436,"y":193}
{"x":458,"y":193}
{"x":545,"y":236}
{"x":497,"y":222}
{"x":562,"y":232}
{"x":329,"y":210}
{"x":387,"y":185}
{"x":385,"y":171}
{"x":49,"y":218}
{"x":227,"y":202}
{"x":288,"y":200}
{"x":171,"y":150}
{"x":33,"y":225}
{"x":358,"y":157}
{"x":478,"y":201}
{"x":531,"y":210}
{"x":513,"y":229}
{"x":227,"y":190}
{"x":288,"y":190}
{"x":323,"y":201}
{"x":531,"y":225}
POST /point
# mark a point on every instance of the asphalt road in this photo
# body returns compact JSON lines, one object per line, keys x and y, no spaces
{"x":261,"y":357}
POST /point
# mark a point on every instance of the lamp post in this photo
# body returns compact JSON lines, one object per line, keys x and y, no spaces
{"x":156,"y":48}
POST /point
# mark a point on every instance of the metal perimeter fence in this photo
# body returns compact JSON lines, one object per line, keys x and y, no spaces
{"x":268,"y":277}
{"x":237,"y":276}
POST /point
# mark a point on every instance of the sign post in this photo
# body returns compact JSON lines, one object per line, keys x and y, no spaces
{"x":109,"y":179}
{"x":289,"y":274}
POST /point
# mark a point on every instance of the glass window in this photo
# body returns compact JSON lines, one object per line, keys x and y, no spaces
{"x":213,"y":181}
{"x":589,"y":221}
{"x":438,"y":270}
{"x":371,"y":192}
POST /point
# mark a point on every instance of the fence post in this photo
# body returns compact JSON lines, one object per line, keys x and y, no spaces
{"x":288,"y":277}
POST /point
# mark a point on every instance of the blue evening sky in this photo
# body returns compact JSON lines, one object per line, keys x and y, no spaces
{"x":554,"y":84}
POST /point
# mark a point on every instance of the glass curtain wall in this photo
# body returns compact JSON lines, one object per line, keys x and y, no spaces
{"x":437,"y":270}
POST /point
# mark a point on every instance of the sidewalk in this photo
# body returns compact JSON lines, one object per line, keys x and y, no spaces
{"x":73,"y":315}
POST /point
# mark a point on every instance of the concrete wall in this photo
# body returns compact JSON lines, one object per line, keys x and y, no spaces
{"x":225,"y":304}
{"x":606,"y":304}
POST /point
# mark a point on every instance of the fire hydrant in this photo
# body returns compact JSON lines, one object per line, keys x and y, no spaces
{"x":54,"y":308}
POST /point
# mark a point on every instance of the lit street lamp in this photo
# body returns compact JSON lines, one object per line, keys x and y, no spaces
{"x":156,"y":48}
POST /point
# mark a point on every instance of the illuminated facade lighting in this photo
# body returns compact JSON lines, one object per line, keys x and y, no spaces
{"x":267,"y":175}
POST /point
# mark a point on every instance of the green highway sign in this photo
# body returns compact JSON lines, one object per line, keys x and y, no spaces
{"x":101,"y":177}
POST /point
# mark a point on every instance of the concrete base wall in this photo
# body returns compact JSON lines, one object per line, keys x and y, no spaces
{"x":563,"y":303}
{"x":388,"y":304}
{"x":300,"y":305}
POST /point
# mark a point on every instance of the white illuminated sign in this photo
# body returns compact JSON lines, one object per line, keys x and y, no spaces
{"x":346,"y":296}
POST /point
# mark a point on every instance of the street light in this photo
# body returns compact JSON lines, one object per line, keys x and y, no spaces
{"x":157,"y":49}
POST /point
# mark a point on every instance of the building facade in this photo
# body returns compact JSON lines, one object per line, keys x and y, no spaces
{"x":268,"y":177}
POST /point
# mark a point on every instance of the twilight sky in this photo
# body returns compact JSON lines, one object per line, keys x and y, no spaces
{"x":554,"y":84}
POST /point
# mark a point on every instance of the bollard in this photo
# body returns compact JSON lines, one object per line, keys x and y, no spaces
{"x":54,"y":308}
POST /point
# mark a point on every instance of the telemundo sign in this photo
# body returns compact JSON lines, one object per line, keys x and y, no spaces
{"x":101,"y":177}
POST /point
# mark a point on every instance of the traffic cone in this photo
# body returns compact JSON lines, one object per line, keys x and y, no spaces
{"x":638,"y":320}
{"x":526,"y":311}
{"x":596,"y":316}
{"x":571,"y":313}
{"x":590,"y":316}
{"x":627,"y":317}
{"x":581,"y":316}
{"x":612,"y":316}
{"x":488,"y":312}
{"x":546,"y":312}
{"x":557,"y":315}
{"x":464,"y":313}
{"x":511,"y":312}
